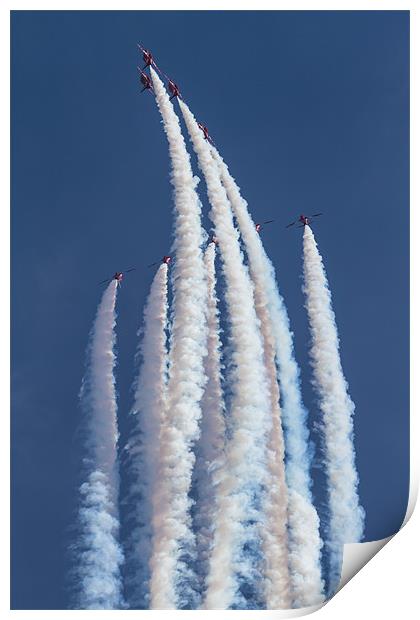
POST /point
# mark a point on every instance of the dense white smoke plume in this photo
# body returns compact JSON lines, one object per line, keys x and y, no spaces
{"x":171,"y":504}
{"x":304,"y":538}
{"x":346,"y":518}
{"x":210,"y":446}
{"x":97,"y":552}
{"x":274,"y":531}
{"x":239,"y":491}
{"x":212,"y":403}
{"x":277,"y":581}
{"x":143,"y":446}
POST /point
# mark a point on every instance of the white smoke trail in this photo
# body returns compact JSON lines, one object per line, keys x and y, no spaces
{"x":212,"y":403}
{"x":210,"y":446}
{"x":304,"y":539}
{"x":277,"y":581}
{"x":171,"y":504}
{"x":245,"y":474}
{"x":143,"y":446}
{"x":98,"y":556}
{"x":276,"y":573}
{"x":346,"y":519}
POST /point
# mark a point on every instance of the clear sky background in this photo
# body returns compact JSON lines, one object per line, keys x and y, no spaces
{"x":310,"y":111}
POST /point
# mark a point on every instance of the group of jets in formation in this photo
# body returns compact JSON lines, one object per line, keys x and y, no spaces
{"x":146,"y":81}
{"x":172,"y":87}
{"x":302,"y":221}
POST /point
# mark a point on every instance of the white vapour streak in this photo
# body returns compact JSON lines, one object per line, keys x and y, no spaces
{"x":171,"y":504}
{"x":98,"y":556}
{"x":346,"y":519}
{"x":142,"y":447}
{"x":303,"y":522}
{"x":245,"y":473}
{"x":277,"y":581}
{"x":213,"y":425}
{"x":210,"y":446}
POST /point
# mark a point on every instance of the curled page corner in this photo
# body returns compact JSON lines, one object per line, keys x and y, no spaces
{"x":357,"y":555}
{"x":413,"y":494}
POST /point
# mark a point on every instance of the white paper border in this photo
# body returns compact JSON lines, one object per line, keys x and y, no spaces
{"x":353,"y":554}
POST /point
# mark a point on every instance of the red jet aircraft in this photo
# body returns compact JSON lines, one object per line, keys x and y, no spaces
{"x":166,"y":260}
{"x":304,"y":220}
{"x":259,"y":227}
{"x":205,"y":132}
{"x":174,"y":90}
{"x":147,"y":57}
{"x":118,"y":276}
{"x":145,"y":80}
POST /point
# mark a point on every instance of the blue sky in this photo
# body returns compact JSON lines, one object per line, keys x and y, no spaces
{"x":310,"y":110}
